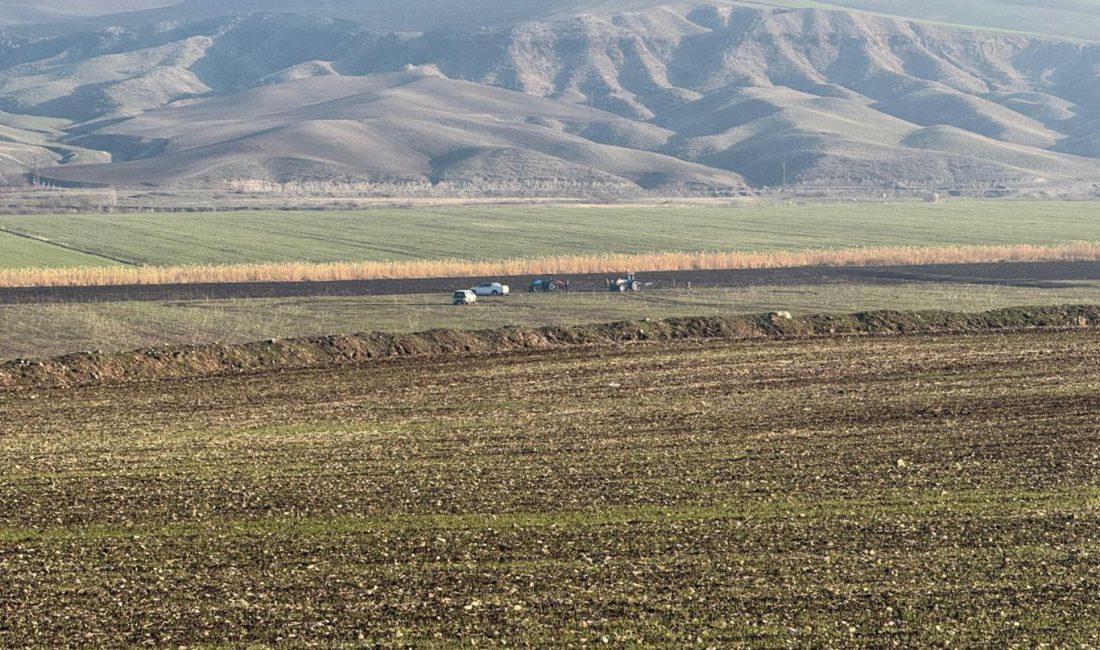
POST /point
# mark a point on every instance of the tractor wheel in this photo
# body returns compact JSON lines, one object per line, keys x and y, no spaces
{"x":635,"y":286}
{"x":551,"y":286}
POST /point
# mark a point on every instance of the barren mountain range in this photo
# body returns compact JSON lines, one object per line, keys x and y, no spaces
{"x":547,"y":97}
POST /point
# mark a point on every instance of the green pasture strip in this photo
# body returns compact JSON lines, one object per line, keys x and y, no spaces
{"x":20,"y":252}
{"x":533,"y":231}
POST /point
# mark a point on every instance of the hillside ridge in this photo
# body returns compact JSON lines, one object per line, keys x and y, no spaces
{"x":681,"y":99}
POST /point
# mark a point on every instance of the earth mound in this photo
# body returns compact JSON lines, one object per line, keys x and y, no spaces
{"x":192,"y":361}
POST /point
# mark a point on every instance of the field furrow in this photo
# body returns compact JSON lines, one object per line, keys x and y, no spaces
{"x":838,"y":492}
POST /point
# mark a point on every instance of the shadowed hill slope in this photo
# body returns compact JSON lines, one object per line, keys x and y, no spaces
{"x":409,"y":126}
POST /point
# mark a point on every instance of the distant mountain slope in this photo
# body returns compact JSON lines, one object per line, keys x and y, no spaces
{"x":1072,"y":19}
{"x":1068,"y":19}
{"x":701,"y":96}
{"x":404,"y":127}
{"x":30,"y":144}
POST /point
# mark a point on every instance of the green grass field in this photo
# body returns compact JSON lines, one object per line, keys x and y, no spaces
{"x":18,"y":251}
{"x":35,"y":331}
{"x":523,"y":231}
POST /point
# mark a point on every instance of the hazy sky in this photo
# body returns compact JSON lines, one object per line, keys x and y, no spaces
{"x":381,"y":15}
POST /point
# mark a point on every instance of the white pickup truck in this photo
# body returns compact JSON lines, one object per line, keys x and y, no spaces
{"x":491,"y":289}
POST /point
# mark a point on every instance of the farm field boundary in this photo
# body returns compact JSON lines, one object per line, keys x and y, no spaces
{"x":172,"y":362}
{"x":1082,"y":251}
{"x":1045,"y":275}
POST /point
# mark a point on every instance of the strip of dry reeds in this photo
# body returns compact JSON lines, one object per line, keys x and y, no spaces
{"x":563,"y":264}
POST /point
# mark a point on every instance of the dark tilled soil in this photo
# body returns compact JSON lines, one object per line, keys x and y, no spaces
{"x":1029,"y":274}
{"x":855,"y":492}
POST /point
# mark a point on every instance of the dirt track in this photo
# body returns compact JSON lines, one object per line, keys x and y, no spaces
{"x":1037,"y":274}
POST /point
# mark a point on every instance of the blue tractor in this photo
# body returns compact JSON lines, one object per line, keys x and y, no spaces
{"x":547,"y":285}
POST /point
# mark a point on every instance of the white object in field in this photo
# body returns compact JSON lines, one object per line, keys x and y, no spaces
{"x":491,"y":289}
{"x":625,"y":284}
{"x":465,"y":297}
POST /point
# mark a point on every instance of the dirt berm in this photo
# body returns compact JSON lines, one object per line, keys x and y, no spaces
{"x":209,"y":360}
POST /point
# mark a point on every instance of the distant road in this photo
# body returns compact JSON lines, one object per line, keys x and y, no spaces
{"x":1038,"y":274}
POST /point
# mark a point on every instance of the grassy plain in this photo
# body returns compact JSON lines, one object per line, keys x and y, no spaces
{"x":915,"y":491}
{"x":45,"y":330}
{"x":16,"y":251}
{"x":495,"y":232}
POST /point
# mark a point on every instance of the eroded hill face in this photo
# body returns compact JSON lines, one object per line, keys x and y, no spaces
{"x":680,"y":99}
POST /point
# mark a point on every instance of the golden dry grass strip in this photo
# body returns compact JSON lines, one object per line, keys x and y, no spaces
{"x":564,"y":264}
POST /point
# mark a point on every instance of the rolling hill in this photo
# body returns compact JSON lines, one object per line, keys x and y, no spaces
{"x":407,"y":126}
{"x":681,"y":98}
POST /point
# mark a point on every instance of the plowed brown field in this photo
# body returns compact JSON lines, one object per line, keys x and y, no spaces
{"x":908,"y":491}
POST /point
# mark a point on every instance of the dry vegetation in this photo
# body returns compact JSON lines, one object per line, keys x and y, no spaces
{"x":609,"y":263}
{"x":859,"y":492}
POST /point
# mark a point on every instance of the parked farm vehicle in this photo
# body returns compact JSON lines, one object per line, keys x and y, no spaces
{"x":491,"y":289}
{"x":464,"y":297}
{"x":548,"y":285}
{"x":629,"y":283}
